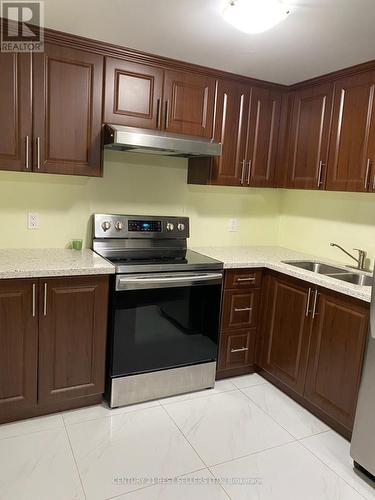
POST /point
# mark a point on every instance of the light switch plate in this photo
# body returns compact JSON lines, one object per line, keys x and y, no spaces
{"x":33,"y":220}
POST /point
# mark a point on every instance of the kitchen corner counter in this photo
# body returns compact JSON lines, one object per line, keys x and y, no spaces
{"x":41,"y":263}
{"x":271,"y":257}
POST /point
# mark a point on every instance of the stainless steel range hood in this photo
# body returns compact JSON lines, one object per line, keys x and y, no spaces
{"x":136,"y":140}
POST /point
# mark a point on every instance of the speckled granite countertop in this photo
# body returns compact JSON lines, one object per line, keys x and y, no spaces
{"x":272,"y":257}
{"x":41,"y":263}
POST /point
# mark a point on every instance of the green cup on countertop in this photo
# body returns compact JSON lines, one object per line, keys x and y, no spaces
{"x":77,"y":244}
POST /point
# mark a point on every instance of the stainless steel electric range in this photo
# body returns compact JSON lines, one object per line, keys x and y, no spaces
{"x":164,"y":308}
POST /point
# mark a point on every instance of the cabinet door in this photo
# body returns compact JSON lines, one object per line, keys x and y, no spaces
{"x":336,"y":355}
{"x":133,"y":94}
{"x":15,"y":111}
{"x":67,"y":111}
{"x":237,"y":349}
{"x":286,"y":330}
{"x":309,"y":137}
{"x":349,"y":162}
{"x":262,"y":138}
{"x":189,"y":103}
{"x":72,"y":337}
{"x":232,"y":110}
{"x":19,"y":343}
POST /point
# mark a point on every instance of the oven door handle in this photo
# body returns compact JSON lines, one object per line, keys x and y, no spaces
{"x":138,"y":282}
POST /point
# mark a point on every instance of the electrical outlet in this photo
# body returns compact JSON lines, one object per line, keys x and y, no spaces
{"x":32,"y":221}
{"x":233,"y":225}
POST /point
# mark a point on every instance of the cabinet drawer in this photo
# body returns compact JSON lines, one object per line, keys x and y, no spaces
{"x":243,"y":278}
{"x":240,"y":309}
{"x":237,"y":349}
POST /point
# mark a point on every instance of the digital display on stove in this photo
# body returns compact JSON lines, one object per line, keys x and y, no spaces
{"x":147,"y":226}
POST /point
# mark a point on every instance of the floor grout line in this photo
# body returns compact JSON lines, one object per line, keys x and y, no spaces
{"x":330,"y":468}
{"x":199,"y":397}
{"x":75,"y":460}
{"x":268,"y":415}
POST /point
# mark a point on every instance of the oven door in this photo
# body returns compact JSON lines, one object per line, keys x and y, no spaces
{"x":164,"y":320}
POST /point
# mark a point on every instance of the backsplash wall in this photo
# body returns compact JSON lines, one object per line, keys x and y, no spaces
{"x":134,"y":184}
{"x":310,"y":220}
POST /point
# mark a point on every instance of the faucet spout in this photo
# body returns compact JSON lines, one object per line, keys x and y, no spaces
{"x":361,"y":260}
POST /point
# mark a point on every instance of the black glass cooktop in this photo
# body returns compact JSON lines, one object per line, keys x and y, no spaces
{"x":191,"y":261}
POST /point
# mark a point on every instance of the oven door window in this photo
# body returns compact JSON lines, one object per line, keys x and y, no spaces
{"x":162,"y":328}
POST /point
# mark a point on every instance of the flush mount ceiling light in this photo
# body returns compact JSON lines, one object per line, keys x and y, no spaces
{"x":255,"y":16}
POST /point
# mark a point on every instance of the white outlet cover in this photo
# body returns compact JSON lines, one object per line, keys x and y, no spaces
{"x":233,"y":225}
{"x":33,"y":221}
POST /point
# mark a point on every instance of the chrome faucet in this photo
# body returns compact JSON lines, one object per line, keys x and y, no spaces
{"x":361,"y":261}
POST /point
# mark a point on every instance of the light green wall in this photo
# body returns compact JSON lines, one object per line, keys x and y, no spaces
{"x":132,"y":184}
{"x":135,"y":184}
{"x":310,"y":220}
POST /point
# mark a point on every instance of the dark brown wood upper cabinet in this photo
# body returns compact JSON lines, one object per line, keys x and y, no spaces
{"x":336,"y":355}
{"x":349,"y":164}
{"x":263,"y":137}
{"x":133,"y":94}
{"x":67,"y":111}
{"x":307,"y":151}
{"x":232,"y":109}
{"x":286,"y":329}
{"x":72,"y":337}
{"x":15,"y":111}
{"x":189,"y":101}
{"x":19,"y":346}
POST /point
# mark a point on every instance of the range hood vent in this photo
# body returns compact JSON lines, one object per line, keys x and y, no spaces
{"x":136,"y":140}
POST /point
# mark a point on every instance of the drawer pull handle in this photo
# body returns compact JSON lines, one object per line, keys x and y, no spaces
{"x":241,"y":349}
{"x":242,"y":309}
{"x":246,"y":279}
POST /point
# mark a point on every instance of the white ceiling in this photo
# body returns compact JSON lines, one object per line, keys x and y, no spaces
{"x":319,"y":36}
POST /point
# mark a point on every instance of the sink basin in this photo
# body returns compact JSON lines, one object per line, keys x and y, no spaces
{"x":354,"y":278}
{"x":331,"y":271}
{"x":315,"y":267}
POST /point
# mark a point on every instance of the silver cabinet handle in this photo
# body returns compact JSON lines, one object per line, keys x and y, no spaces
{"x":27,"y":157}
{"x":250,"y":163}
{"x":367,"y":173}
{"x":314,"y":312}
{"x":243,"y":163}
{"x":158,"y":114}
{"x":38,"y":153}
{"x":321,"y":165}
{"x":242,"y":309}
{"x":245,"y":279}
{"x":45,"y":300}
{"x":308,"y":304}
{"x":241,"y":349}
{"x":373,"y":183}
{"x":167,"y":113}
{"x":34,"y":300}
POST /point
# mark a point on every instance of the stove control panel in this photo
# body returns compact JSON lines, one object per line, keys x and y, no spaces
{"x":133,"y":226}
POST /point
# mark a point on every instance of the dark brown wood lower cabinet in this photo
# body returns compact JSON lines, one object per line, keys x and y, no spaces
{"x":237,"y":350}
{"x":286,"y":330}
{"x":312,"y":345}
{"x":336,"y":355}
{"x":72,"y":338}
{"x":60,"y":364}
{"x":18,"y":346}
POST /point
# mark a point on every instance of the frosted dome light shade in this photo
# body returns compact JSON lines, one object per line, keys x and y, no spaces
{"x":255,"y":16}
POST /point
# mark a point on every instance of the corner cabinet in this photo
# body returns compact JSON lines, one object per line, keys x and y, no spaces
{"x":54,"y":103}
{"x":53,"y":336}
{"x":312,"y":346}
{"x":247,"y":125}
{"x":139,"y":95}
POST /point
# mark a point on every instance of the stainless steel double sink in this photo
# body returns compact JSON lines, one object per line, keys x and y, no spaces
{"x":332,"y":271}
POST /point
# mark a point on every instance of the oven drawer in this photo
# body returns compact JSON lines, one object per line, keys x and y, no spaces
{"x":240,"y":309}
{"x":243,"y":278}
{"x":237,"y":349}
